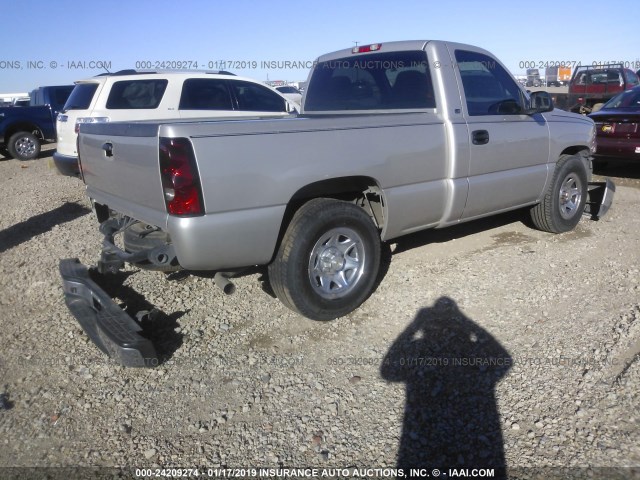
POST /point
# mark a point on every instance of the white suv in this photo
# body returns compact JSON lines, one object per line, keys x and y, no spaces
{"x":130,"y":95}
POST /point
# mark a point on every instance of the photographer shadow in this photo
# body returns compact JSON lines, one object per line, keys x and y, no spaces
{"x":450,"y":367}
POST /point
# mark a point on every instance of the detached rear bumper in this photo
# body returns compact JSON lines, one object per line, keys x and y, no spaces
{"x":600,"y":198}
{"x":109,"y":327}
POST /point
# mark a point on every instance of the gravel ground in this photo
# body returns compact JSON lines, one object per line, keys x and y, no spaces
{"x":484,"y":343}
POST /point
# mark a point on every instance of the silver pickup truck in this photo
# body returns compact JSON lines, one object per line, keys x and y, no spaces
{"x":392,"y":138}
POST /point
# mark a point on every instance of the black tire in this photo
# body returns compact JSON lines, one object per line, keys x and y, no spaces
{"x":562,"y":206}
{"x":326,"y":240}
{"x":24,"y":146}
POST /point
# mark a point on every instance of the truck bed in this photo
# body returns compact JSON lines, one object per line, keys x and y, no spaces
{"x":275,"y":157}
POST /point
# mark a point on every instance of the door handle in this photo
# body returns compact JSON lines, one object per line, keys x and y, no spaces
{"x":108,"y":149}
{"x":480,"y":137}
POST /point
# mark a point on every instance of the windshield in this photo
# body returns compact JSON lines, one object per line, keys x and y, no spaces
{"x":81,"y":97}
{"x":628,"y":99}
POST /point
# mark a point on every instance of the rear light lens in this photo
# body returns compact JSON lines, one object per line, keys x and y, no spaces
{"x":180,"y":179}
{"x":374,"y":47}
{"x":89,"y":120}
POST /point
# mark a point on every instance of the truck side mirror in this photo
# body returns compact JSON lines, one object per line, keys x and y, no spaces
{"x":539,"y":102}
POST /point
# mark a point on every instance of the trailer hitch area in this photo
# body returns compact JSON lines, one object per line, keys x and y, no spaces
{"x":113,"y":258}
{"x":599,"y":198}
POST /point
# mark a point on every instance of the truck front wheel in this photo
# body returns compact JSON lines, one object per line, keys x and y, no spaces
{"x":328,"y":260}
{"x":562,"y":206}
{"x":24,"y":146}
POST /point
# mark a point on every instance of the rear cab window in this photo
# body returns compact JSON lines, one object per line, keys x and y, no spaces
{"x":381,"y":81}
{"x":136,"y":94}
{"x":81,"y":96}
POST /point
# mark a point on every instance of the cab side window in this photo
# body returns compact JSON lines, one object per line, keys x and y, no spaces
{"x":488,"y":88}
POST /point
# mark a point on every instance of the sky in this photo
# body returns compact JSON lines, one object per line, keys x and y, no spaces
{"x":69,"y":40}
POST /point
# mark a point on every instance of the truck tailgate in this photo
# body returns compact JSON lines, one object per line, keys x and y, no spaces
{"x":121,"y":168}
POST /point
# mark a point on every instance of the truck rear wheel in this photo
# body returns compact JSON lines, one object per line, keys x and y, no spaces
{"x":562,"y":206}
{"x":328,"y":261}
{"x":24,"y":146}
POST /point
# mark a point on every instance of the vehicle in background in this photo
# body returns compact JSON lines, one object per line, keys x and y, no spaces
{"x":24,"y":129}
{"x":7,"y":99}
{"x":591,"y":86}
{"x":557,"y":76}
{"x":291,"y":92}
{"x":533,"y":78}
{"x":21,"y":102}
{"x":618,"y":126}
{"x":134,"y":95}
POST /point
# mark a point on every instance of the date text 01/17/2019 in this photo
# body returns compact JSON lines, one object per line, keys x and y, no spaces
{"x":631,"y":64}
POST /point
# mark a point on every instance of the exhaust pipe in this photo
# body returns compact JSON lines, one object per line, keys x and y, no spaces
{"x":222,"y":281}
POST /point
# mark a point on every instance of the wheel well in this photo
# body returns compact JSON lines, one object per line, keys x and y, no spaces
{"x":584,"y":153}
{"x":573,"y":150}
{"x":22,"y":127}
{"x":362,"y":191}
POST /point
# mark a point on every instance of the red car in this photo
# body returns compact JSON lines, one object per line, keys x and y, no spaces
{"x":618,"y":126}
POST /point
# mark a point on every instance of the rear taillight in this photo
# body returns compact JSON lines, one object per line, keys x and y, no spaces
{"x":180,"y":180}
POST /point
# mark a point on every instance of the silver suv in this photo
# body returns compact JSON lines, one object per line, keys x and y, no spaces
{"x":130,"y":95}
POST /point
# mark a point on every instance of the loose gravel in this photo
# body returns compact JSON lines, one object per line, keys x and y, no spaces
{"x":483,"y":343}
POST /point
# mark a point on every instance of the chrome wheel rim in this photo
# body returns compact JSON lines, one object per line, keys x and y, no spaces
{"x":570,"y":196}
{"x":336,"y":263}
{"x":25,"y":146}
